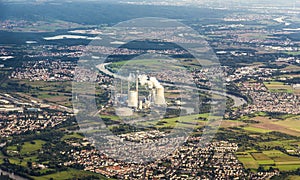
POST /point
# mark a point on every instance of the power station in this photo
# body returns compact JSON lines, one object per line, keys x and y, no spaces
{"x":146,"y":92}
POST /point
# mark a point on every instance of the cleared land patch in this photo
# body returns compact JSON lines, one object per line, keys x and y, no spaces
{"x":69,"y":174}
{"x":275,"y":86}
{"x":256,"y":129}
{"x":32,"y":146}
{"x":289,"y":126}
{"x":247,"y":160}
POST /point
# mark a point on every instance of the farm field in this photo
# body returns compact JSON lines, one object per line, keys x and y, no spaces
{"x":275,"y":86}
{"x":292,"y":68}
{"x":290,"y":125}
{"x":256,"y":129}
{"x":267,"y":159}
{"x":33,"y":146}
{"x":183,"y":121}
{"x":293,"y":123}
{"x":150,"y":64}
{"x":69,"y":174}
{"x":53,"y":92}
{"x":28,"y":150}
{"x":72,"y":136}
{"x":17,"y":162}
{"x":293,"y":178}
{"x":287,"y":144}
{"x":248,"y":161}
{"x":231,"y":123}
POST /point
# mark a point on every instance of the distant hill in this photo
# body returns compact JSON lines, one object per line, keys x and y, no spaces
{"x":99,"y":13}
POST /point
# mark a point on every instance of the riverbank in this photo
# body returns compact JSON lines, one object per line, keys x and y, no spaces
{"x":12,"y":175}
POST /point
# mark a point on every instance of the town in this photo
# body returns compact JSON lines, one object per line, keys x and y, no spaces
{"x":216,"y":97}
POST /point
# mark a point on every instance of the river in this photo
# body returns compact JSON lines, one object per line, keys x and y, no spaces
{"x":238,"y":101}
{"x":12,"y":175}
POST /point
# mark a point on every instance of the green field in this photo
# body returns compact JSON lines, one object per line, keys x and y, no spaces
{"x":291,"y":123}
{"x":293,"y":178}
{"x":70,"y":174}
{"x":267,"y":159}
{"x":257,"y":130}
{"x":262,"y":159}
{"x":55,"y":92}
{"x":17,"y":162}
{"x":281,"y":158}
{"x":12,"y":148}
{"x":28,"y":149}
{"x":247,"y":160}
{"x":72,"y":136}
{"x":113,"y":118}
{"x":275,"y":86}
{"x":31,"y":158}
{"x":294,"y":53}
{"x":33,"y":146}
{"x":147,"y":64}
{"x":292,"y":68}
{"x":183,"y":121}
{"x":289,"y":167}
{"x":1,"y":158}
{"x":287,"y":144}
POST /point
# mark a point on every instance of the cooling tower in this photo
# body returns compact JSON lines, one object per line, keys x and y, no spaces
{"x":153,"y":95}
{"x":143,"y":79}
{"x":155,"y":82}
{"x":150,"y":84}
{"x":133,"y":99}
{"x":160,"y":96}
{"x":141,"y":105}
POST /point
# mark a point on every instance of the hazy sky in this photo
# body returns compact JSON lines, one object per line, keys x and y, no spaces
{"x":181,"y":2}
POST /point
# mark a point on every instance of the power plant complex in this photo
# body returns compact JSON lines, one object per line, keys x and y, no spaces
{"x":146,"y":92}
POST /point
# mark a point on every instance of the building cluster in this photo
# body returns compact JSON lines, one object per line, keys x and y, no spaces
{"x":23,"y":122}
{"x":143,"y":136}
{"x":11,"y":24}
{"x":81,"y":74}
{"x":289,"y":59}
{"x":19,"y":25}
{"x":248,"y":17}
{"x":205,"y":76}
{"x":210,"y":76}
{"x":4,"y":51}
{"x":248,"y":87}
{"x":91,"y":51}
{"x":258,"y":38}
{"x":279,"y":47}
{"x":55,"y":54}
{"x":215,"y":160}
{"x":140,"y":147}
{"x":265,"y":101}
{"x":286,"y":103}
{"x":56,"y":70}
{"x":18,"y":117}
{"x":251,"y":72}
{"x":45,"y":70}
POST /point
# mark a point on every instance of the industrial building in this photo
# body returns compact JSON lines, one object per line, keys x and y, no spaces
{"x":142,"y":93}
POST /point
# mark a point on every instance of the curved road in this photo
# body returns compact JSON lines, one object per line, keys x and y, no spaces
{"x":238,"y":101}
{"x":12,"y":175}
